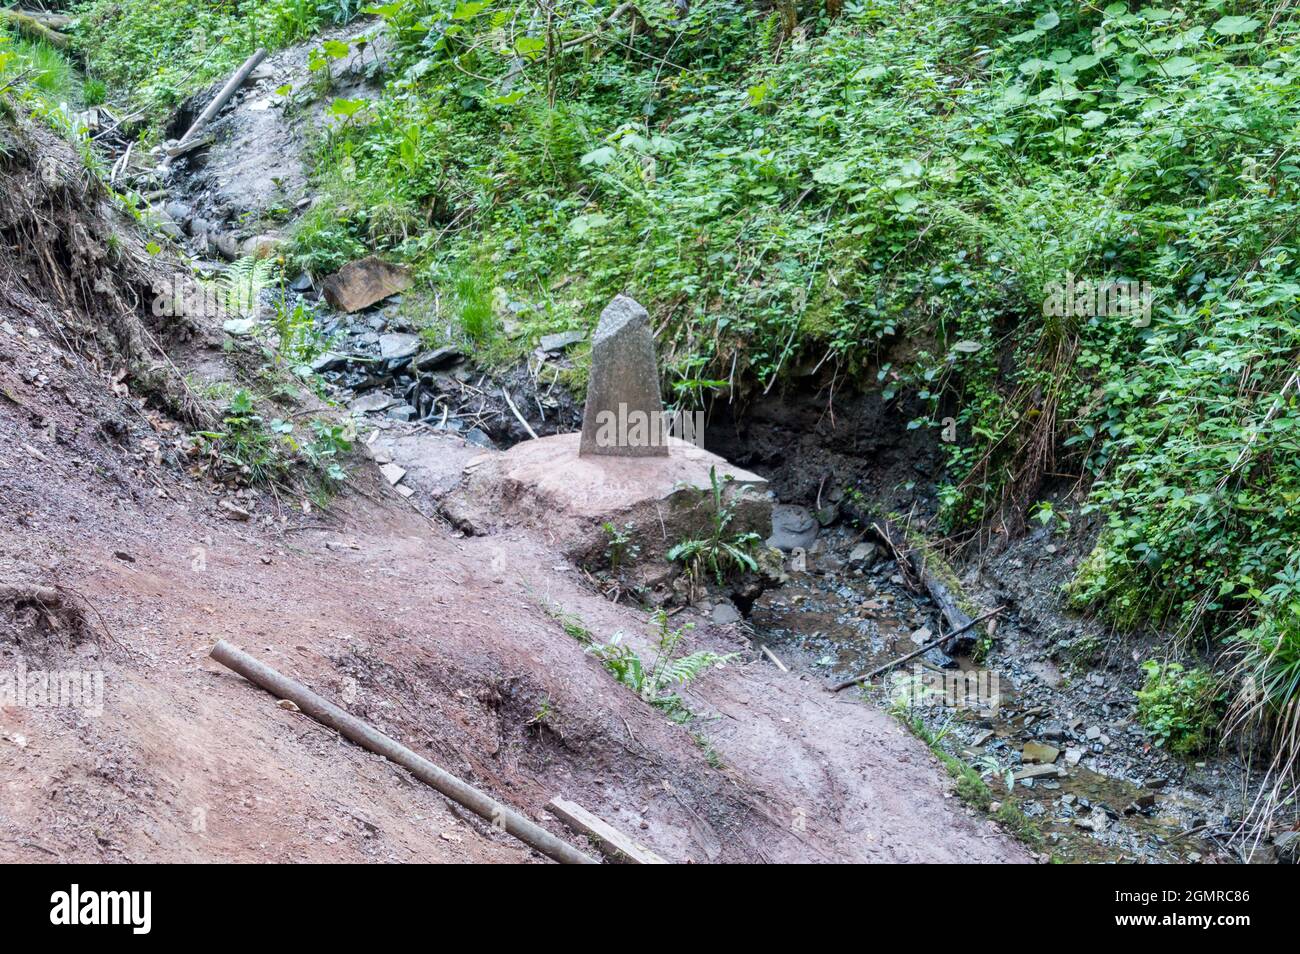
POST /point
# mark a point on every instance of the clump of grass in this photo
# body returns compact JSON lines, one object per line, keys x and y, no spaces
{"x":42,"y":69}
{"x":472,"y":298}
{"x":94,"y":92}
{"x":324,"y":239}
{"x":51,"y":72}
{"x":971,"y":787}
{"x":572,"y":625}
{"x":1267,"y":700}
{"x":1019,"y":824}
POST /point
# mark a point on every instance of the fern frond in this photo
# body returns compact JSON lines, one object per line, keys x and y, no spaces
{"x":241,"y":283}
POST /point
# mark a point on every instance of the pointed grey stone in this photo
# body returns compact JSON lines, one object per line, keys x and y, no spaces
{"x":624,"y":412}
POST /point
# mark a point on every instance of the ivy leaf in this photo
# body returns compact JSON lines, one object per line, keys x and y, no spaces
{"x":580,"y":225}
{"x":347,"y":108}
{"x":598,"y":157}
{"x":529,"y":45}
{"x":468,"y":11}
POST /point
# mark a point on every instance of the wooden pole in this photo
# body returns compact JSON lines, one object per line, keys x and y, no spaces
{"x":368,"y":737}
{"x":227,"y":91}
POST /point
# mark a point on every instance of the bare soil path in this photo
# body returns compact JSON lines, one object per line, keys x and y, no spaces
{"x":434,"y":638}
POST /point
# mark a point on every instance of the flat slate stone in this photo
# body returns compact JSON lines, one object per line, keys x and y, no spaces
{"x":397,"y":345}
{"x":561,"y":340}
{"x":360,"y":284}
{"x":435,"y":359}
{"x":375,"y":401}
{"x":624,"y":412}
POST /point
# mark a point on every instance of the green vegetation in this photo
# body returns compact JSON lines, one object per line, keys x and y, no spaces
{"x":157,"y":52}
{"x":972,"y":787}
{"x":1180,"y":707}
{"x":41,"y":72}
{"x":572,"y":624}
{"x":669,"y":672}
{"x":719,"y":553}
{"x":897,"y":194}
{"x":253,"y":451}
{"x":621,"y":547}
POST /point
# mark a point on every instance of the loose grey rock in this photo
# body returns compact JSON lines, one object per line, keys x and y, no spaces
{"x":864,"y":554}
{"x":178,"y":212}
{"x":1053,"y":731}
{"x":375,"y":401}
{"x":792,"y":526}
{"x":394,"y":346}
{"x":1096,"y":820}
{"x":435,"y":359}
{"x":226,"y":244}
{"x":1035,"y":771}
{"x":561,"y":341}
{"x":403,"y":412}
{"x":261,"y":246}
{"x":329,"y":361}
{"x":725,"y":613}
{"x":476,"y":436}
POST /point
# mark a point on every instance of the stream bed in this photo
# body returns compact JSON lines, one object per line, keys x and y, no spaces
{"x":852,"y":619}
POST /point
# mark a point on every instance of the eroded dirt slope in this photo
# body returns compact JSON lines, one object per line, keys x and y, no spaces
{"x":116,"y":561}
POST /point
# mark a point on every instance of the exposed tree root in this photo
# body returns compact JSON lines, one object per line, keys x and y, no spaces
{"x":82,"y":276}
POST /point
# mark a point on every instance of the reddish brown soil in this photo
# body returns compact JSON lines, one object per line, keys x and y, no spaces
{"x":438,"y":640}
{"x":116,"y":558}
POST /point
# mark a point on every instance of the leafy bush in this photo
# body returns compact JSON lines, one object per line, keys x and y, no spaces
{"x":251,"y":450}
{"x":155,"y":53}
{"x":1180,"y":707}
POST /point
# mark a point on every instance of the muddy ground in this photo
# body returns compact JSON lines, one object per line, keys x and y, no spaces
{"x":415,"y":630}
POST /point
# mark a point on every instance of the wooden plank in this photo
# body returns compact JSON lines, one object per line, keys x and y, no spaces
{"x":612,"y":843}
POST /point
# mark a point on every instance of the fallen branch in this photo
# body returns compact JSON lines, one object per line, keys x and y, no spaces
{"x":519,"y":417}
{"x":914,"y":653}
{"x":957,"y":618}
{"x":370,"y":738}
{"x":33,"y":28}
{"x":55,"y":21}
{"x":613,"y":844}
{"x":223,"y":97}
{"x":772,"y":656}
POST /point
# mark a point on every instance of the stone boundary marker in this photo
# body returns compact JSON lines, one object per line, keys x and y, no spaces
{"x":624,"y":383}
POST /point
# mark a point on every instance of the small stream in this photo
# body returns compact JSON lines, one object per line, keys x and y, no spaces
{"x":848,"y":621}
